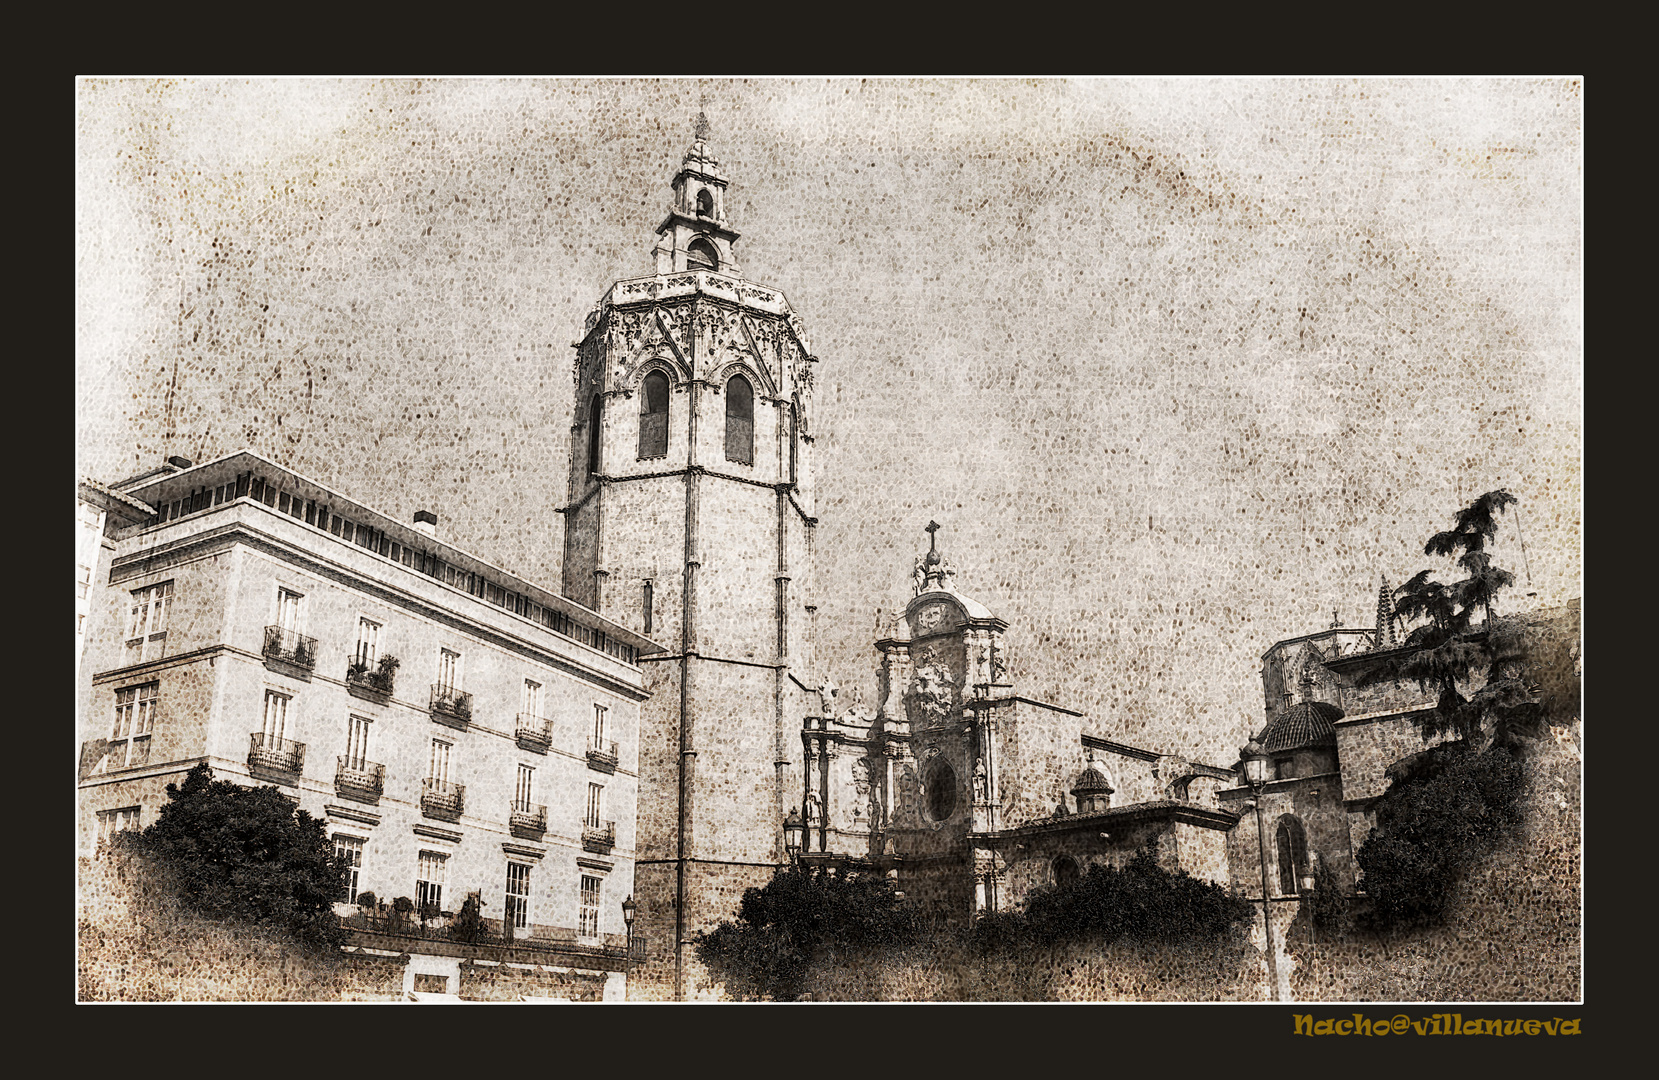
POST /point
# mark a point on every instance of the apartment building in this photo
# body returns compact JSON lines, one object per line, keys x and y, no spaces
{"x":459,"y":729}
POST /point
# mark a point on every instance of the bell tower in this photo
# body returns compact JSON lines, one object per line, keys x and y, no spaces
{"x":690,"y":519}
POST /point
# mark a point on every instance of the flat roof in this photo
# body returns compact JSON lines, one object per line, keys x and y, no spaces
{"x":163,"y":490}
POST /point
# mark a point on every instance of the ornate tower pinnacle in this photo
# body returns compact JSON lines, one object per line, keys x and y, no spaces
{"x":696,"y":235}
{"x":932,"y":571}
{"x":1386,"y":637}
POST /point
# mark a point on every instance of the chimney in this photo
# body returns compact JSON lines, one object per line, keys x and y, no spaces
{"x":180,"y":463}
{"x":426,"y":523}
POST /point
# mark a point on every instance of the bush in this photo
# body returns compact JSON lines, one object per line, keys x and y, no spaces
{"x":245,"y":853}
{"x":1142,"y":902}
{"x":368,"y":901}
{"x":468,"y":924}
{"x":1453,"y":806}
{"x":801,"y":919}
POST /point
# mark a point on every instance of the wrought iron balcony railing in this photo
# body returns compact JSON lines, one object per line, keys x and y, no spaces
{"x":275,"y":755}
{"x":451,"y":706}
{"x":359,"y":778}
{"x":528,"y":819}
{"x":599,"y":836}
{"x":550,"y":939}
{"x":291,"y":648}
{"x":602,"y":754}
{"x":442,"y":799}
{"x":534,"y":732}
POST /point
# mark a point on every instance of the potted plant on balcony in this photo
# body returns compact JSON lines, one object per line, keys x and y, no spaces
{"x":387,"y":671}
{"x":402,"y":908}
{"x":303,"y":656}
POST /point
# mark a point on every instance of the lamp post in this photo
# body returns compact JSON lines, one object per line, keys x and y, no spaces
{"x":629,"y":908}
{"x":792,"y":829}
{"x":1253,"y":769}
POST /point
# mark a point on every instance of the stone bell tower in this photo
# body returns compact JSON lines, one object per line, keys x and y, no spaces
{"x":690,"y":519}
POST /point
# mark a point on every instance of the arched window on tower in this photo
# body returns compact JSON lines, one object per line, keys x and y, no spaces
{"x":705,"y":203}
{"x":700,"y":255}
{"x":740,"y":421}
{"x":1293,"y":855}
{"x":595,"y":416}
{"x":1065,"y":870}
{"x":653,"y":416}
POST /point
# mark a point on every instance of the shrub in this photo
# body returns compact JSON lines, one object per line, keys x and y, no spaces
{"x":246,"y":853}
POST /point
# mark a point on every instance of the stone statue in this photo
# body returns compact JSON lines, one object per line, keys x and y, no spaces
{"x":826,"y":698}
{"x":981,"y":793}
{"x":918,"y":576}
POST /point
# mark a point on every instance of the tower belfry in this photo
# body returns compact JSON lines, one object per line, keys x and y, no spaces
{"x":696,"y":235}
{"x":690,"y":518}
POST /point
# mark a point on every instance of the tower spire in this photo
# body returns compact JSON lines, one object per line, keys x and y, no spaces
{"x":1386,"y":638}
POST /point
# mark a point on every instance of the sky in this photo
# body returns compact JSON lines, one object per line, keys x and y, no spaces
{"x":1180,"y":366}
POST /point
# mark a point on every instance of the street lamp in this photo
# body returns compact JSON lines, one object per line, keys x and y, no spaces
{"x":792,"y":830}
{"x":1253,"y":770}
{"x":629,"y":909}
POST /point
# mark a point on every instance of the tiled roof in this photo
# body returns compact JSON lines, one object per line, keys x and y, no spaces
{"x":1307,"y":723}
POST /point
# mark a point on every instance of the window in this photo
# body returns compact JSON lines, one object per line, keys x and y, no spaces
{"x":1282,"y":769}
{"x":429,"y":883}
{"x":276,"y":715}
{"x":587,"y":924}
{"x":147,"y":622}
{"x":941,"y":791}
{"x":368,"y":641}
{"x":111,"y":822}
{"x":288,"y":609}
{"x":700,"y":255}
{"x":518,"y":895}
{"x":449,"y":667}
{"x":599,"y":726}
{"x":438,"y":767}
{"x":647,"y":603}
{"x":1293,"y":855}
{"x":524,"y":790}
{"x":740,"y":421}
{"x":357,"y":743}
{"x":596,"y":413}
{"x":795,"y":440}
{"x":532,"y":698}
{"x":135,"y":718}
{"x":653,"y":416}
{"x":596,"y":801}
{"x":349,"y":848}
{"x":1065,"y":870}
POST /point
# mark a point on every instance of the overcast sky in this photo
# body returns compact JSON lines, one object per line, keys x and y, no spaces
{"x":1179,"y":366}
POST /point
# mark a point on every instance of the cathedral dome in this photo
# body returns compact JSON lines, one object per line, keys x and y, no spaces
{"x":1090,"y":782}
{"x":1307,"y":723}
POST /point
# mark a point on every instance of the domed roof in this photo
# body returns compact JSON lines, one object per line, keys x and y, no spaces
{"x":1306,"y":723}
{"x":1091,"y":781}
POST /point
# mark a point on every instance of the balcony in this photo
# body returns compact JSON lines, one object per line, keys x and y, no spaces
{"x":599,"y":837}
{"x":371,"y":683}
{"x":534,"y":733}
{"x":288,"y":652}
{"x":602,"y":755}
{"x":357,"y":779}
{"x":528,"y":821}
{"x":451,"y":706}
{"x":269,"y":754}
{"x":443,"y":800}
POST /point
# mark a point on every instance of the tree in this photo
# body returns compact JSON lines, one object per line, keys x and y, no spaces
{"x":801,"y":919}
{"x":1449,"y":647}
{"x":1437,"y":817}
{"x":247,"y":854}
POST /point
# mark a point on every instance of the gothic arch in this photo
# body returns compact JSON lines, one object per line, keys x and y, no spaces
{"x":656,"y":390}
{"x":701,"y":253}
{"x":739,"y":393}
{"x":760,"y":380}
{"x":1290,"y":848}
